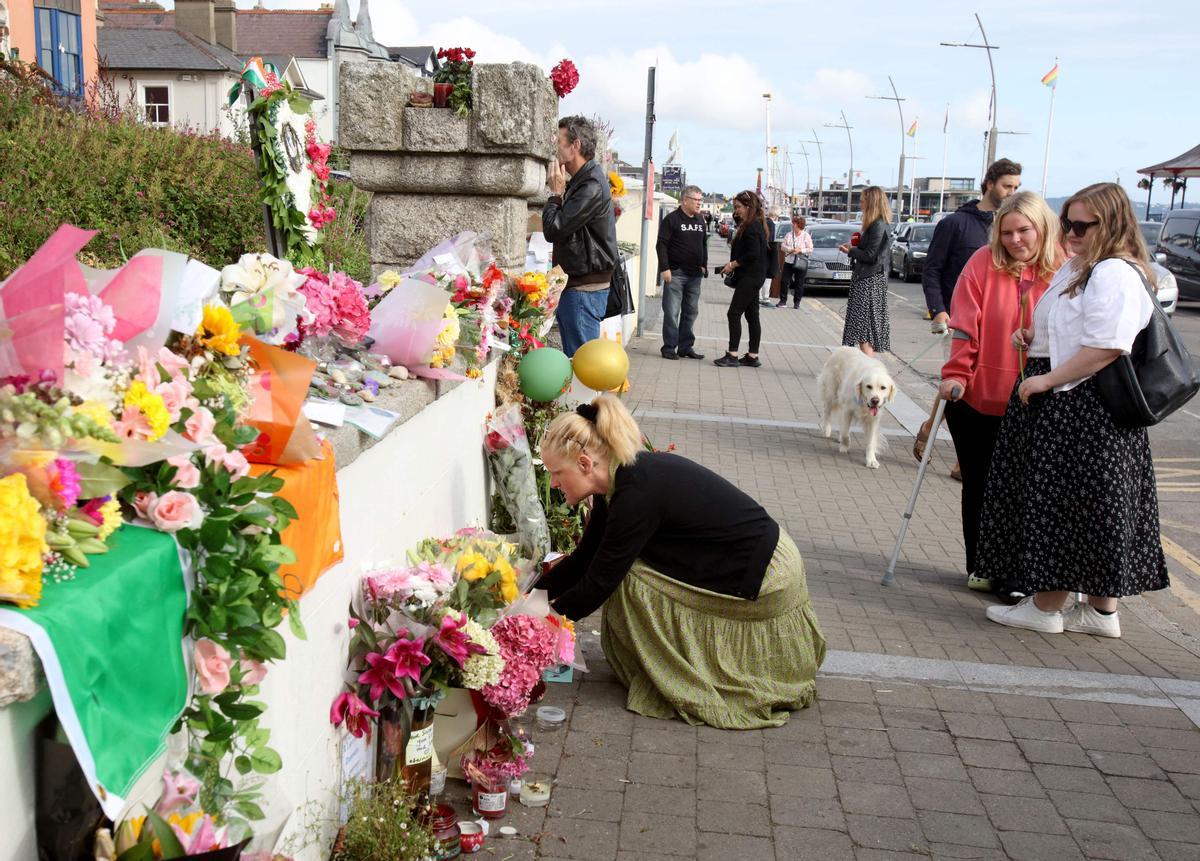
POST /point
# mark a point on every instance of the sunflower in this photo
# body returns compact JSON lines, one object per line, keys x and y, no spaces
{"x":218,"y":331}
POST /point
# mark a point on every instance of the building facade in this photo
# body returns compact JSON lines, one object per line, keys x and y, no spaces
{"x":58,"y":35}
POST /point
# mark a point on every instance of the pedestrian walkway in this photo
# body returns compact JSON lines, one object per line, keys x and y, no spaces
{"x":938,"y":734}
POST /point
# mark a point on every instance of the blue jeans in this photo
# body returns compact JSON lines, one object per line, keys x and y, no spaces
{"x":681,"y":306}
{"x":579,"y":314}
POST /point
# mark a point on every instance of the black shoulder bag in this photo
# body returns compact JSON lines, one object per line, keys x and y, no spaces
{"x":1155,"y":379}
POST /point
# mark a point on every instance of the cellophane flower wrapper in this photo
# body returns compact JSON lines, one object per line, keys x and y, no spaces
{"x":556,"y":280}
{"x":405,"y":325}
{"x":511,"y":464}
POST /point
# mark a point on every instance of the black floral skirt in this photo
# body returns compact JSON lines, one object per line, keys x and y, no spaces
{"x":1071,"y":502}
{"x":867,"y":320}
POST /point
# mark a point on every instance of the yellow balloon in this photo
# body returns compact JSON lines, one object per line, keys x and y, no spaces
{"x":601,"y":364}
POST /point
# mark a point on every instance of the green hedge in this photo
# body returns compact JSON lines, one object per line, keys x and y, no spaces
{"x":137,"y":186}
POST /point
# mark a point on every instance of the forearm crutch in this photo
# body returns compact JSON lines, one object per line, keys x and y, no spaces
{"x":889,"y":576}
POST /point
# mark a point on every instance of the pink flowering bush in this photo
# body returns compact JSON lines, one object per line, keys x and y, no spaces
{"x":337,"y":304}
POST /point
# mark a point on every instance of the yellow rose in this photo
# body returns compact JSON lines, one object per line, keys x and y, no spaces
{"x":22,"y":542}
{"x":473,"y":566}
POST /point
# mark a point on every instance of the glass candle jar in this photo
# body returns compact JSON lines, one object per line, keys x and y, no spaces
{"x":551,"y":718}
{"x":490,"y":802}
{"x":446,"y":833}
{"x":535,"y":791}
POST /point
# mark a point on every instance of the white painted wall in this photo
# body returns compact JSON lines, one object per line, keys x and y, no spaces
{"x":318,"y":73}
{"x":197,"y":103}
{"x":427,"y":478}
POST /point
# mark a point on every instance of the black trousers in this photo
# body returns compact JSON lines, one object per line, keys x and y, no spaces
{"x":744,"y":302}
{"x":974,"y":437}
{"x":792,"y":277}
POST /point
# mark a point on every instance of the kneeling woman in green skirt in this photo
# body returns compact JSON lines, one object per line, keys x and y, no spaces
{"x":706,"y":609}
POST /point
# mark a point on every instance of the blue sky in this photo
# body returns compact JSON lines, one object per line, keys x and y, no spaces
{"x":1126,"y":94}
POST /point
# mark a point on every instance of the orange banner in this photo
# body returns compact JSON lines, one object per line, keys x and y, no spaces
{"x":278,"y":387}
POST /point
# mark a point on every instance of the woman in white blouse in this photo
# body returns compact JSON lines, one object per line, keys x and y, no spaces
{"x":797,"y":247}
{"x":1071,"y":503}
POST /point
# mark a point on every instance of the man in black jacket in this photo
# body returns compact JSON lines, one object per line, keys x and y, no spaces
{"x":683,"y":262}
{"x":960,"y":235}
{"x":578,"y":220}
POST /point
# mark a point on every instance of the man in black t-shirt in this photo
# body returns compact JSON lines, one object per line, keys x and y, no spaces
{"x":683,"y":263}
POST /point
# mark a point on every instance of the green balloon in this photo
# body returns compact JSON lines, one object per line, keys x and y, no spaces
{"x":544,"y":373}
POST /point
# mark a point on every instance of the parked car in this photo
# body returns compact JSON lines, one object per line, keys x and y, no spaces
{"x":1179,"y":243}
{"x":1168,"y":288}
{"x":909,"y":249}
{"x":724,"y":227}
{"x":827,"y":265}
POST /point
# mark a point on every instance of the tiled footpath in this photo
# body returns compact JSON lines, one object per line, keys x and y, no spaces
{"x":937,"y":733}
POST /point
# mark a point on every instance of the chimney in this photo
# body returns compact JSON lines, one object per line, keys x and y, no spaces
{"x":225,"y":17}
{"x":197,"y":17}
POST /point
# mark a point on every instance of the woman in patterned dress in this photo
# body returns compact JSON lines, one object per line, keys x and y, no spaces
{"x":706,"y":612}
{"x":868,"y":326}
{"x":1071,"y":503}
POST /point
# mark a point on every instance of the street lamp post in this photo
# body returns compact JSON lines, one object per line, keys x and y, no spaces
{"x":895,"y":97}
{"x":820,"y":174}
{"x":987,"y":46}
{"x":844,"y":124}
{"x":767,"y":105}
{"x":807,"y":174}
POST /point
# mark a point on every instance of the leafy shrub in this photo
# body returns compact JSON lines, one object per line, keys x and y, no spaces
{"x":138,"y":186}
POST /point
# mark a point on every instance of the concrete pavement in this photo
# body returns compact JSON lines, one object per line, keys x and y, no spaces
{"x":938,"y":734}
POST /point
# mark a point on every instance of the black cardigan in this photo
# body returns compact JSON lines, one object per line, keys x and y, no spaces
{"x":750,"y":251}
{"x":680,"y":518}
{"x":868,"y":255}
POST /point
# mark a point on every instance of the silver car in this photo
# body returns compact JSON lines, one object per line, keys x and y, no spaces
{"x":1168,"y":287}
{"x":827,"y":265}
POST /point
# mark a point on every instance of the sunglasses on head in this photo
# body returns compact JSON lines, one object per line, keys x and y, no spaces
{"x":1079,"y":228}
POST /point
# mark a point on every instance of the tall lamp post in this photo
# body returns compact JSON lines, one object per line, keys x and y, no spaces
{"x":895,"y":97}
{"x":807,"y":174}
{"x":987,"y":46}
{"x":850,"y":176}
{"x":767,"y":106}
{"x":820,"y":173}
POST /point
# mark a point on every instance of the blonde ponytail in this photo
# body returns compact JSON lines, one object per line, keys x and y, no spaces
{"x":613,"y":435}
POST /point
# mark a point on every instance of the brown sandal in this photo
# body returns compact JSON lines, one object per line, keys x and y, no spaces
{"x":922,"y":439}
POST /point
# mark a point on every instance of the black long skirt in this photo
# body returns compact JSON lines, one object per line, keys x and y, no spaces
{"x":1071,"y":502}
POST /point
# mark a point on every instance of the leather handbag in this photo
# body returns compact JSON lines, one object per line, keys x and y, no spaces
{"x":1155,"y":379}
{"x":620,"y":295}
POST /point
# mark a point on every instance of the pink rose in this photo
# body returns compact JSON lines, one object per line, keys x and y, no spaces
{"x":199,"y":425}
{"x":176,"y":395}
{"x":172,"y":363}
{"x":233,"y":461}
{"x":175,"y":510}
{"x":212,"y":666}
{"x":187,"y":475}
{"x":253,"y":672}
{"x":143,"y":501}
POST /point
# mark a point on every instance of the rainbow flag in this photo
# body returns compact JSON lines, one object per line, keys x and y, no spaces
{"x":912,"y":130}
{"x":1050,"y":79}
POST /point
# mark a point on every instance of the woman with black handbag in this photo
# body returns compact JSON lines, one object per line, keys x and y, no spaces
{"x":797,"y":247}
{"x":745,"y":273}
{"x":1071,"y":503}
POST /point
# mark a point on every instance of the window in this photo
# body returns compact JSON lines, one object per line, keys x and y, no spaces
{"x":1180,"y":232}
{"x":59,"y":48}
{"x":158,"y":104}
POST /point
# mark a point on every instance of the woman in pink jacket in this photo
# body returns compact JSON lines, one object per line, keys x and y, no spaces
{"x":994,"y":296}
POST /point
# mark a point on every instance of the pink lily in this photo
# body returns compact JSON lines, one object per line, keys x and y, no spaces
{"x":451,"y":639}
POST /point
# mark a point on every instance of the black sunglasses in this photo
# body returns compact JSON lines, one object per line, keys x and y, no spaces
{"x":1079,"y":228}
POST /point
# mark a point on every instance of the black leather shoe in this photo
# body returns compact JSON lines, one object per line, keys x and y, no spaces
{"x":669,"y":355}
{"x":690,"y":354}
{"x":726,"y":361}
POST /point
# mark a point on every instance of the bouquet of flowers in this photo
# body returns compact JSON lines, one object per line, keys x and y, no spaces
{"x":497,"y":765}
{"x":511,"y":464}
{"x":528,"y":645}
{"x":337,"y":307}
{"x":491,"y":572}
{"x":564,"y":77}
{"x":263,"y":293}
{"x":174,"y":828}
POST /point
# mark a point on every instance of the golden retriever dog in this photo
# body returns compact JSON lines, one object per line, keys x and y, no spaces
{"x":856,"y":386}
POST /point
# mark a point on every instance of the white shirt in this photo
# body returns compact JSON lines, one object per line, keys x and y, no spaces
{"x":797,"y":243}
{"x":1107,"y":314}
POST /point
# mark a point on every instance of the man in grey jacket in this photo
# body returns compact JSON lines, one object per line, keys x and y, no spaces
{"x":578,"y":219}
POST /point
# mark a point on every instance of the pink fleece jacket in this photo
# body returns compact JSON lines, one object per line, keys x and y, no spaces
{"x":984,"y":312}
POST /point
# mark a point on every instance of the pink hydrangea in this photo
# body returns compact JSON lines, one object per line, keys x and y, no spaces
{"x":528,"y":646}
{"x":337,"y":305}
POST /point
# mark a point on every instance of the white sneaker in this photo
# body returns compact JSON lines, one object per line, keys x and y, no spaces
{"x":1026,"y":615}
{"x":1084,"y":619}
